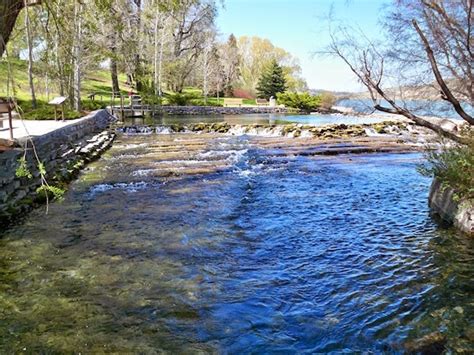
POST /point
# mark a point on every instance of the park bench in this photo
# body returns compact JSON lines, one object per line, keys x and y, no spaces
{"x":233,"y":102}
{"x":261,"y":102}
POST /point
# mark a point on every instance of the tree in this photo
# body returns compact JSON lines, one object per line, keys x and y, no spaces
{"x":256,"y":54}
{"x":430,"y":44}
{"x":9,"y":11}
{"x":272,"y":81}
{"x":230,"y":59}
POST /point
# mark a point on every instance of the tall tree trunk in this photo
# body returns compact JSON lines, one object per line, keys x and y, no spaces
{"x":160,"y":67}
{"x":77,"y":52}
{"x":9,"y":11}
{"x":156,"y":55}
{"x":138,"y":68}
{"x":205,"y":73}
{"x":30,"y":57}
{"x":114,"y":72}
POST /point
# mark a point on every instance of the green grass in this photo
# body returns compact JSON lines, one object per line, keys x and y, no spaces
{"x":453,"y":165}
{"x":97,"y":82}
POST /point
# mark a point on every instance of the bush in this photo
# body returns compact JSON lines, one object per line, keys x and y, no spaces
{"x":45,"y":111}
{"x":201,"y":102}
{"x":327,"y":100}
{"x":453,"y":166}
{"x":151,"y":99}
{"x":88,"y":105}
{"x":244,"y":94}
{"x":303,"y":101}
{"x":181,"y":99}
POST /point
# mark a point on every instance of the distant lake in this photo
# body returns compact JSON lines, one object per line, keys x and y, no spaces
{"x":420,"y":107}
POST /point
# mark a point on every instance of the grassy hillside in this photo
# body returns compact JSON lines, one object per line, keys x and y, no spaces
{"x":98,"y":82}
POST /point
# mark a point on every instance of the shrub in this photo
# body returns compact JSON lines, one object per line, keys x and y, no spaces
{"x":181,"y":99}
{"x":201,"y":102}
{"x":151,"y":99}
{"x":453,"y":166}
{"x":244,"y":94}
{"x":303,"y":101}
{"x":327,"y":100}
{"x":88,"y":105}
{"x":47,"y":113}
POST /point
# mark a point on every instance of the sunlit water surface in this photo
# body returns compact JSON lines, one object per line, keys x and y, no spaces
{"x":184,"y":244}
{"x":242,"y":119}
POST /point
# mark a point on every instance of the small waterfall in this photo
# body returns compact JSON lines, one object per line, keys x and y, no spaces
{"x":163,"y":130}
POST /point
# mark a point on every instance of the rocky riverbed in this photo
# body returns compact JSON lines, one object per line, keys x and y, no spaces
{"x":292,"y":130}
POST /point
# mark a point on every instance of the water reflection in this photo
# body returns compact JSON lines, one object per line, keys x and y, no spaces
{"x":224,"y":246}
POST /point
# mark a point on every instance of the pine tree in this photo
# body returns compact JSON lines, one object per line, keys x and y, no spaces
{"x":271,"y":82}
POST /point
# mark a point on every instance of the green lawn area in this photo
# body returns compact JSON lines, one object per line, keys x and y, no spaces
{"x":97,"y":82}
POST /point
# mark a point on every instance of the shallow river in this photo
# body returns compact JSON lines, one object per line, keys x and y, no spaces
{"x":188,"y":243}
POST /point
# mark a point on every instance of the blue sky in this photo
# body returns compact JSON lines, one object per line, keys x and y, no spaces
{"x":299,"y":27}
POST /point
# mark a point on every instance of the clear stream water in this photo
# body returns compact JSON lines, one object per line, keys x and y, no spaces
{"x":313,"y":119}
{"x":189,"y":243}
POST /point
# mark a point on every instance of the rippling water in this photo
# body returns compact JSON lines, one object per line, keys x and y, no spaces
{"x":313,"y":119}
{"x":187,"y":243}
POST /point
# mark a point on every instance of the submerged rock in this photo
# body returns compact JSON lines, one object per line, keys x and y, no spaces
{"x":433,"y":343}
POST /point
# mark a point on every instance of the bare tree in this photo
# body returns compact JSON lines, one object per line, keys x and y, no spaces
{"x":230,"y":59}
{"x":430,"y":43}
{"x":30,"y":56}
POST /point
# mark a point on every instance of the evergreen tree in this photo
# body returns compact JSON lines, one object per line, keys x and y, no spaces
{"x":271,"y":82}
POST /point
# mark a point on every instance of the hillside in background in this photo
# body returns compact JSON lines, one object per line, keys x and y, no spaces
{"x":97,"y":81}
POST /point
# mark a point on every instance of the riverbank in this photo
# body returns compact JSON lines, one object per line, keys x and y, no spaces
{"x":63,"y":149}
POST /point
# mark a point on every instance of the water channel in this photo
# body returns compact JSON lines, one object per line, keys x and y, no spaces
{"x":191,"y":243}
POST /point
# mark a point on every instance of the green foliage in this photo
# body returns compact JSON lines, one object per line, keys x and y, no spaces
{"x":50,"y":191}
{"x":22,"y":169}
{"x":271,"y":82}
{"x":181,"y":99}
{"x":88,"y":105}
{"x":327,"y":100}
{"x":453,"y":166}
{"x":42,"y":168}
{"x":151,"y":99}
{"x":303,"y":101}
{"x":47,"y":113}
{"x":209,"y":102}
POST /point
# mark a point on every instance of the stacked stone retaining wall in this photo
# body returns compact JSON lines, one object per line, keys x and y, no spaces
{"x":63,"y":152}
{"x":207,"y":110}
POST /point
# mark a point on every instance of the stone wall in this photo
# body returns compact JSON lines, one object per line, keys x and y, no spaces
{"x":211,"y":110}
{"x":459,"y":213}
{"x":63,"y":152}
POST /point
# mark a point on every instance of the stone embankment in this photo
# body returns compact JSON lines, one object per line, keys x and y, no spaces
{"x":64,"y":152}
{"x":443,"y":204}
{"x":206,"y":110}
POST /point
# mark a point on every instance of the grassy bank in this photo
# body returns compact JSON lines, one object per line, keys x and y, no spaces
{"x":98,"y":82}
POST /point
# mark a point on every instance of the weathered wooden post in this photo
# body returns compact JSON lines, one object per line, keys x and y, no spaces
{"x":122,"y":113}
{"x":6,"y":106}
